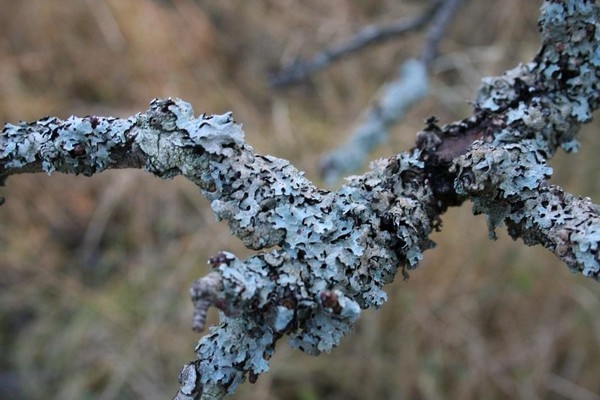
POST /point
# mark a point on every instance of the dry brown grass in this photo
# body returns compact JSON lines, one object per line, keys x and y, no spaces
{"x":95,"y":271}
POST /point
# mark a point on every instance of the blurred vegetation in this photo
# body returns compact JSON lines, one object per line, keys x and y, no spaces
{"x":94,"y":271}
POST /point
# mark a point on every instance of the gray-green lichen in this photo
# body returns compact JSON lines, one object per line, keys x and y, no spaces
{"x":547,"y":100}
{"x":538,"y":107}
{"x":334,"y":250}
{"x":76,"y":145}
{"x":508,"y":184}
{"x":327,"y":255}
{"x":337,"y":250}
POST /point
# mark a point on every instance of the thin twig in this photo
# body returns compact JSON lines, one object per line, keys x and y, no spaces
{"x":299,"y":70}
{"x":399,"y":95}
{"x":437,"y":29}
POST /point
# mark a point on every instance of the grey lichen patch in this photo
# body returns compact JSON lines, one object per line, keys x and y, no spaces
{"x":327,"y":325}
{"x":191,"y":386}
{"x":261,"y":299}
{"x":215,"y":133}
{"x":76,"y":145}
{"x":262,"y":197}
{"x":551,"y":97}
{"x":250,"y":191}
{"x":496,"y":176}
{"x":497,"y":93}
{"x":236,"y":348}
{"x":507,"y":171}
{"x":508,"y":184}
{"x":172,"y":137}
{"x":336,"y":252}
{"x":537,"y":108}
{"x":568,"y":226}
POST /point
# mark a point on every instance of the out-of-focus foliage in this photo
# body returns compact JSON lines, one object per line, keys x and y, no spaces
{"x":94,"y":271}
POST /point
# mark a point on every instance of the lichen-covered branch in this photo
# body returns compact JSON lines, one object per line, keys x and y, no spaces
{"x":76,"y":145}
{"x":326,"y":255}
{"x":335,"y":250}
{"x":508,"y":184}
{"x":539,"y":107}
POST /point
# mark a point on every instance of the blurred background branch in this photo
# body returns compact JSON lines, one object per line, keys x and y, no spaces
{"x":299,"y":70}
{"x":396,"y":97}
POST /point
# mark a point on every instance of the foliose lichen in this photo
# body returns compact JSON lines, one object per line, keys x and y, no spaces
{"x":76,"y":145}
{"x":551,"y":97}
{"x":508,"y":184}
{"x":539,"y":107}
{"x":334,"y":250}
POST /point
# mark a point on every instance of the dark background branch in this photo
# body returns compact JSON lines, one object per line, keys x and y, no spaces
{"x":299,"y":69}
{"x":438,"y":27}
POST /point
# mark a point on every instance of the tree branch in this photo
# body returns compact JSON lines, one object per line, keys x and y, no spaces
{"x":398,"y":96}
{"x":332,"y":252}
{"x":508,"y":184}
{"x":439,"y":25}
{"x":299,"y":70}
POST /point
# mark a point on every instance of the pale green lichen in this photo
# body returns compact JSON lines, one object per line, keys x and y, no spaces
{"x":550,"y":98}
{"x":508,"y":184}
{"x":76,"y":145}
{"x":341,"y":242}
{"x":327,"y":255}
{"x":542,"y":105}
{"x":336,"y":250}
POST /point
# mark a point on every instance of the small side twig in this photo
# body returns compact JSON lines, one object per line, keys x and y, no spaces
{"x":398,"y":97}
{"x":299,"y":69}
{"x":437,"y":29}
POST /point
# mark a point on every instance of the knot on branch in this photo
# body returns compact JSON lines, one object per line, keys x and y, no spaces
{"x":174,"y":140}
